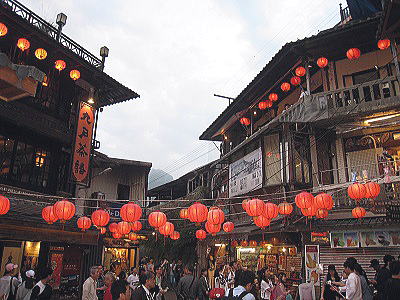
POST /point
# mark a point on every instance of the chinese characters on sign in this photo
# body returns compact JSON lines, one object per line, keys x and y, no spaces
{"x":311,"y":257}
{"x":83,"y":142}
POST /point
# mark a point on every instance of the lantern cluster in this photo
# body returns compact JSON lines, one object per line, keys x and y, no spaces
{"x":358,"y":191}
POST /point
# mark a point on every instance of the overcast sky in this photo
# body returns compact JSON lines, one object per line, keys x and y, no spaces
{"x":176,"y":55}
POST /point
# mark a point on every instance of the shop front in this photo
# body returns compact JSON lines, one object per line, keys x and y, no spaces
{"x":120,"y":255}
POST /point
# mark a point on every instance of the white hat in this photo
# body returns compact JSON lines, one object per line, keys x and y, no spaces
{"x":30,"y":274}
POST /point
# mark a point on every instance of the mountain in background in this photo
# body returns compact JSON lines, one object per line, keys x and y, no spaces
{"x":158,"y":177}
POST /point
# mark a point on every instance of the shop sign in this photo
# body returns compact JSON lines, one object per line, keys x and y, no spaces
{"x":83,"y":142}
{"x":56,"y":265}
{"x":311,"y":256}
{"x":348,"y":239}
{"x":245,"y":174}
{"x":380,"y":239}
{"x":320,"y":237}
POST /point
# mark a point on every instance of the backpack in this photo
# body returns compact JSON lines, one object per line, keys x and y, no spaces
{"x":239,"y":297}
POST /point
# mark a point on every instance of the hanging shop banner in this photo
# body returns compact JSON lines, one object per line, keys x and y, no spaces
{"x":56,"y":264}
{"x":380,"y":239}
{"x":321,"y":238}
{"x":348,"y":239}
{"x":83,"y":142}
{"x":245,"y":174}
{"x":311,"y":255}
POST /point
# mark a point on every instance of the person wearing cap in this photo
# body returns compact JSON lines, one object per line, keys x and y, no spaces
{"x":25,"y":289}
{"x":9,"y":283}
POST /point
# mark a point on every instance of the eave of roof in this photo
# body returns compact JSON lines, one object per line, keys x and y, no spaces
{"x":121,"y":162}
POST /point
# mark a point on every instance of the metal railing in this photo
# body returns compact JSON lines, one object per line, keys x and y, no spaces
{"x":28,"y":15}
{"x":344,"y":13}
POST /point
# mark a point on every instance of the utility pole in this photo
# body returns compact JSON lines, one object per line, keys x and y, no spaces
{"x":225,"y":97}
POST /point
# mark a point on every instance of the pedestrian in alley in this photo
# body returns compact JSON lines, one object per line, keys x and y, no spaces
{"x":120,"y":290}
{"x":109,"y":279}
{"x":9,"y":282}
{"x":393,"y":284}
{"x":89,"y":290}
{"x":147,"y":283}
{"x":367,"y":293}
{"x":188,"y":286}
{"x":42,"y":290}
{"x":332,"y":276}
{"x":243,"y":290}
{"x":161,"y":283}
{"x":382,"y":275}
{"x":353,"y":283}
{"x":204,"y":286}
{"x":25,"y":289}
{"x":133,"y":279}
{"x":101,"y":287}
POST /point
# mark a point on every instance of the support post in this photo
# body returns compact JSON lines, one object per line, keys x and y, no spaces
{"x":396,"y":61}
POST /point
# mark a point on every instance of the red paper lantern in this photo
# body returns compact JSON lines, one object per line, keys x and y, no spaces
{"x":295,"y":80}
{"x":255,"y":207}
{"x":40,"y":53}
{"x":300,"y":71}
{"x":384,"y":44}
{"x":103,"y":230}
{"x":157,"y":219}
{"x":244,"y":243}
{"x":167,"y":229}
{"x":75,"y":74}
{"x":133,"y":236}
{"x":372,"y":190}
{"x":273,"y":97}
{"x":23,"y":44}
{"x":216,"y":216}
{"x":245,"y":121}
{"x":269,"y":103}
{"x":60,"y":65}
{"x":3,"y":29}
{"x":84,"y":223}
{"x":353,"y":53}
{"x":323,"y":201}
{"x":201,"y":234}
{"x":113,"y":227}
{"x":262,"y":105}
{"x":130,"y":212}
{"x":304,"y":200}
{"x":184,"y":214}
{"x":198,"y":213}
{"x":212,"y":228}
{"x":285,"y":208}
{"x":64,"y":210}
{"x":322,"y":62}
{"x":100,"y":218}
{"x":261,"y":221}
{"x":123,"y":228}
{"x":48,"y":214}
{"x":117,"y":235}
{"x":253,"y":244}
{"x":321,"y":213}
{"x":136,"y":226}
{"x":310,"y":211}
{"x":285,"y":86}
{"x":228,"y":226}
{"x":356,"y":191}
{"x":359,"y":212}
{"x":175,"y":235}
{"x":271,"y":210}
{"x":234,"y":244}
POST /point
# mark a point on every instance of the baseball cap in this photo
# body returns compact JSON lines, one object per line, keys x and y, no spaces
{"x":10,"y":267}
{"x":373,"y":262}
{"x":30,"y":274}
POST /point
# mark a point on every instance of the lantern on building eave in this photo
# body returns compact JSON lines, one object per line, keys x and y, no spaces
{"x":353,"y":53}
{"x":304,"y":200}
{"x":255,"y":207}
{"x":285,"y":86}
{"x":310,"y":211}
{"x":184,"y":213}
{"x":157,"y":219}
{"x":100,"y":218}
{"x":198,"y":213}
{"x":356,"y":191}
{"x":253,"y":243}
{"x":300,"y":71}
{"x":201,"y":234}
{"x":136,"y":226}
{"x":64,"y":210}
{"x":216,"y":216}
{"x":273,"y":97}
{"x":261,"y":221}
{"x":245,"y":121}
{"x":271,"y":210}
{"x":295,"y":80}
{"x":116,"y":235}
{"x":211,"y":228}
{"x":48,"y":214}
{"x":167,"y":229}
{"x":262,"y":105}
{"x":40,"y":53}
{"x":383,"y":44}
{"x":244,"y":243}
{"x":322,"y":62}
{"x":175,"y":235}
{"x":372,"y":190}
{"x":133,"y":236}
{"x":84,"y":223}
{"x":228,"y":226}
{"x":74,"y":74}
{"x":130,"y":212}
{"x":285,"y":208}
{"x":113,"y":227}
{"x":234,"y":244}
{"x":23,"y":44}
{"x":359,"y":212}
{"x":103,"y":230}
{"x":323,"y":201}
{"x":123,"y":227}
{"x":60,"y":64}
{"x":3,"y":29}
{"x":269,"y":103}
{"x":321,"y":213}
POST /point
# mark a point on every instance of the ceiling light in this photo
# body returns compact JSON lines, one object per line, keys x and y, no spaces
{"x":367,"y":122}
{"x":90,"y":101}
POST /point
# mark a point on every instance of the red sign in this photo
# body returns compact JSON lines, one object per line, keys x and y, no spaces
{"x":83,"y":142}
{"x":319,"y":234}
{"x":56,"y":264}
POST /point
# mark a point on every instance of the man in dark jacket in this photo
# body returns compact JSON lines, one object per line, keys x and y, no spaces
{"x":204,"y":287}
{"x":147,"y":283}
{"x":188,"y":286}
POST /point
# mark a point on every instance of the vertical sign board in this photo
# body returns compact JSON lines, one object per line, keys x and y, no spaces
{"x":311,"y":256}
{"x":245,"y":174}
{"x":83,"y":142}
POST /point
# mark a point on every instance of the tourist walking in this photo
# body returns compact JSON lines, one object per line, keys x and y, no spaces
{"x":133,"y":279}
{"x":204,"y":286}
{"x":9,"y":283}
{"x":120,"y":290}
{"x":89,"y":290}
{"x":42,"y":290}
{"x":392,"y":288}
{"x":279,"y":290}
{"x":243,"y":290}
{"x":353,"y":283}
{"x":382,"y":275}
{"x":188,"y":286}
{"x":25,"y":289}
{"x":367,"y":293}
{"x":331,"y":277}
{"x":147,"y":283}
{"x":109,"y":279}
{"x":266,"y":286}
{"x":161,"y":283}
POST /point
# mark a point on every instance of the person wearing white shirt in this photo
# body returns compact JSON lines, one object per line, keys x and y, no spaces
{"x":266,"y":287}
{"x":133,"y":279}
{"x":245,"y":285}
{"x":353,"y":283}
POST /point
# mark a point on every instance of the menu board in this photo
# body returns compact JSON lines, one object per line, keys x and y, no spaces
{"x":380,"y":238}
{"x":349,"y":239}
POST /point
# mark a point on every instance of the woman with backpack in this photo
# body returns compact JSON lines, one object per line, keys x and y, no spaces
{"x":25,"y":289}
